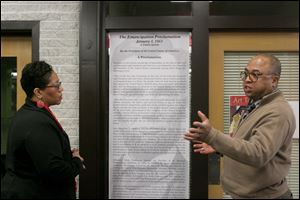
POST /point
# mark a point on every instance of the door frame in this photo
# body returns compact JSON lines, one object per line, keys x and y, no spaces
{"x":24,"y":28}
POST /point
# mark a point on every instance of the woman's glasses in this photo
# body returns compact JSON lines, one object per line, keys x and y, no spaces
{"x":57,"y":86}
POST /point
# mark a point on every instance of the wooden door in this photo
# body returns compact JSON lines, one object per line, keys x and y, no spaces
{"x":19,"y":47}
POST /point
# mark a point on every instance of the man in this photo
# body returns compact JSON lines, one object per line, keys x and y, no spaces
{"x":257,"y":154}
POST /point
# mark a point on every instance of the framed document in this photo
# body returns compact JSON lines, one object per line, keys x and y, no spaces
{"x":149,"y":111}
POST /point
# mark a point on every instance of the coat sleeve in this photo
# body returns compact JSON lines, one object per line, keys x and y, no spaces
{"x":51,"y":153}
{"x":267,"y":137}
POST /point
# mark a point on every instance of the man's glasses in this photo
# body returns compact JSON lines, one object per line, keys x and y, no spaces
{"x":253,"y":76}
{"x":57,"y":86}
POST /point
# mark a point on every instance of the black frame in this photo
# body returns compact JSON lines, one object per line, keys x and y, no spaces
{"x":94,"y":79}
{"x":24,"y":28}
{"x":94,"y":85}
{"x":254,"y":23}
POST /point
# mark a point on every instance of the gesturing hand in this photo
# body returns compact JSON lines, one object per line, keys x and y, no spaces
{"x":203,"y":148}
{"x":202,"y":129}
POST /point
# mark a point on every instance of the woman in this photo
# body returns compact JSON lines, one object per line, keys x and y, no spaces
{"x":39,"y":160}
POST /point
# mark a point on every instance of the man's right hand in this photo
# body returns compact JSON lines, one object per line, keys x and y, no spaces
{"x":203,"y":148}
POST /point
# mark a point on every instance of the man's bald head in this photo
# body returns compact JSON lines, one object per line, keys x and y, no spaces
{"x":272,"y":61}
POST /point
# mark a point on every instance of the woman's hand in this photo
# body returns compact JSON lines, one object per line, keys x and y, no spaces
{"x":75,"y":153}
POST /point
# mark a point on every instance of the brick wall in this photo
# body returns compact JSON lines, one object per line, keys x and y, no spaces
{"x":59,"y":46}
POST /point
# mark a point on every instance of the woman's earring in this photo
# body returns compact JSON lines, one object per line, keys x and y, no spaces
{"x":40,"y":103}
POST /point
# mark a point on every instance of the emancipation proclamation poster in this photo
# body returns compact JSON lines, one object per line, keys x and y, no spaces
{"x":149,"y":111}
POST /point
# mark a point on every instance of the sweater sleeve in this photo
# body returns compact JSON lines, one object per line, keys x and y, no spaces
{"x":51,"y":155}
{"x":261,"y":144}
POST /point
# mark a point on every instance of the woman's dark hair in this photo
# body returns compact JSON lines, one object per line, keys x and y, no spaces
{"x":35,"y":75}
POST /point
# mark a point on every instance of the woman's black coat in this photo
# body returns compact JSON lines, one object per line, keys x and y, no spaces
{"x":39,"y":162}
